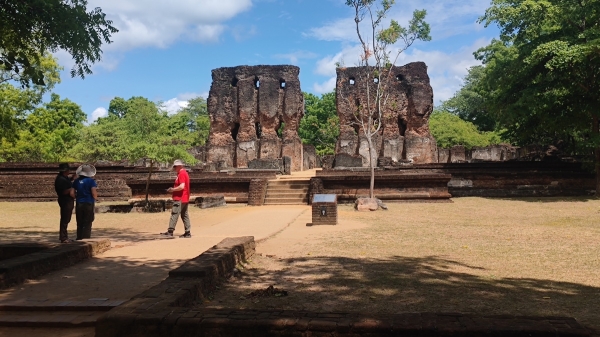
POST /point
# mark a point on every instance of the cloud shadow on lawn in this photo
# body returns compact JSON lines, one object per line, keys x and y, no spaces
{"x":406,"y":284}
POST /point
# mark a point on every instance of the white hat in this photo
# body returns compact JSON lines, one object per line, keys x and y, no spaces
{"x":178,"y":163}
{"x":86,"y":170}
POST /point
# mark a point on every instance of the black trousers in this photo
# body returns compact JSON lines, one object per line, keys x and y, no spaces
{"x":84,"y":213}
{"x":66,"y":212}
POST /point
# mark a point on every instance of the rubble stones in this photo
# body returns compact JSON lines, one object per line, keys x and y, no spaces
{"x":366,"y":204}
{"x":345,"y":160}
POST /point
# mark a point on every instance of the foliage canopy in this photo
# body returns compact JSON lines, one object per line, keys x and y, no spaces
{"x":30,"y":28}
{"x":320,"y":125}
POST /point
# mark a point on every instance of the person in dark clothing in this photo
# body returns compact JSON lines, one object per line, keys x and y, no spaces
{"x":86,"y":195}
{"x":63,"y":185}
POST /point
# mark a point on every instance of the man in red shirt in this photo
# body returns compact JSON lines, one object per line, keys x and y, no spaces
{"x":181,"y":198}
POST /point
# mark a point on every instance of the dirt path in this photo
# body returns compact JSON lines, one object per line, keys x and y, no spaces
{"x":141,"y":259}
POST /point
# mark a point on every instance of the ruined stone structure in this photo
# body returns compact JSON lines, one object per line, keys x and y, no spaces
{"x":405,"y":125}
{"x":247,"y":106}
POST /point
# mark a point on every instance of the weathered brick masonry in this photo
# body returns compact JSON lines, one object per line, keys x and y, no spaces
{"x":247,"y":106}
{"x":413,"y":184}
{"x":440,"y":181}
{"x":258,"y":191}
{"x":35,"y":182}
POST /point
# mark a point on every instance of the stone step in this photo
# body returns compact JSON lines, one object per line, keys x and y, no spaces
{"x":292,"y":178}
{"x":282,"y":189}
{"x":286,"y":183}
{"x":290,"y":192}
{"x":92,"y":304}
{"x":273,"y":194}
{"x":49,"y":319}
{"x":286,"y":201}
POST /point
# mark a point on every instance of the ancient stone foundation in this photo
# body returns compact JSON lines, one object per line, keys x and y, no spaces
{"x":405,"y":118}
{"x":254,"y":113}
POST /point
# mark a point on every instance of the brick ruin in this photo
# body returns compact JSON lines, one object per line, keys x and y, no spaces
{"x":247,"y":106}
{"x":405,"y":125}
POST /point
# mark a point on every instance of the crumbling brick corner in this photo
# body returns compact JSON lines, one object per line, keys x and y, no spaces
{"x":257,"y":192}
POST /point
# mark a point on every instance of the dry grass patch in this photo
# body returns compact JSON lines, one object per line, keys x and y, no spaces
{"x":476,"y":255}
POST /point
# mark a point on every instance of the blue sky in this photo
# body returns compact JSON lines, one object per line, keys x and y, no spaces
{"x":165,"y":50}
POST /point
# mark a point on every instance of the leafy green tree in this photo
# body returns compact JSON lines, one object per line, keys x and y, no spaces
{"x":117,"y":107}
{"x":449,"y":130}
{"x":48,"y":133}
{"x":30,"y":28}
{"x":192,"y":122}
{"x":320,"y":125}
{"x":543,"y":74}
{"x":16,"y":103}
{"x":105,"y":139}
{"x":376,"y":56}
{"x":141,"y":133}
{"x":469,"y":102}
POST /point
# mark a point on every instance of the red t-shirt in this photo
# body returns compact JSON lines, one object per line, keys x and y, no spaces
{"x":183,"y":196}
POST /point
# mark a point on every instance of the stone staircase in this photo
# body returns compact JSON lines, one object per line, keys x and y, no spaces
{"x":290,"y":191}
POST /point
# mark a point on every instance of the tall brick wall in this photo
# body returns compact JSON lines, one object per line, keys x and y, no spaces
{"x":405,"y":116}
{"x":247,"y":106}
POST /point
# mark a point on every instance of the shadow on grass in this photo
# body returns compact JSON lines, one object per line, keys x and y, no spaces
{"x":548,"y":199}
{"x":404,"y":284}
{"x":20,"y":234}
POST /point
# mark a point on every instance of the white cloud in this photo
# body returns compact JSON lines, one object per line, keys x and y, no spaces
{"x":186,"y":96}
{"x":446,"y":69}
{"x":348,"y":57}
{"x":159,"y":24}
{"x":99,"y":112}
{"x":173,"y":105}
{"x":446,"y":18}
{"x":325,"y":87}
{"x":295,"y":56}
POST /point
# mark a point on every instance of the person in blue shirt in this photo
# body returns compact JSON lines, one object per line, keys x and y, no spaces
{"x":86,"y":195}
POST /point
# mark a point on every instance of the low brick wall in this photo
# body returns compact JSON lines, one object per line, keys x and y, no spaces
{"x":390,"y":185}
{"x":518,"y":179}
{"x":42,"y":261}
{"x":35,"y":182}
{"x":484,"y":179}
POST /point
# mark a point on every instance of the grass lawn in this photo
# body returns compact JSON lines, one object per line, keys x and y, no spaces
{"x":476,"y":255}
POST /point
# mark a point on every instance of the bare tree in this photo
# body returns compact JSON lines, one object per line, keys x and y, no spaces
{"x":380,"y":51}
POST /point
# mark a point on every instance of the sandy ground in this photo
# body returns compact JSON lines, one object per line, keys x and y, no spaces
{"x":529,"y":257}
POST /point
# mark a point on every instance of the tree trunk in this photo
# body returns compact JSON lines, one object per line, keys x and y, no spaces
{"x":372,"y":167}
{"x":148,"y":182}
{"x":596,"y":131}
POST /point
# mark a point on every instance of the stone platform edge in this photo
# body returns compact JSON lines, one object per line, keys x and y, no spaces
{"x":16,"y":270}
{"x":167,"y":309}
